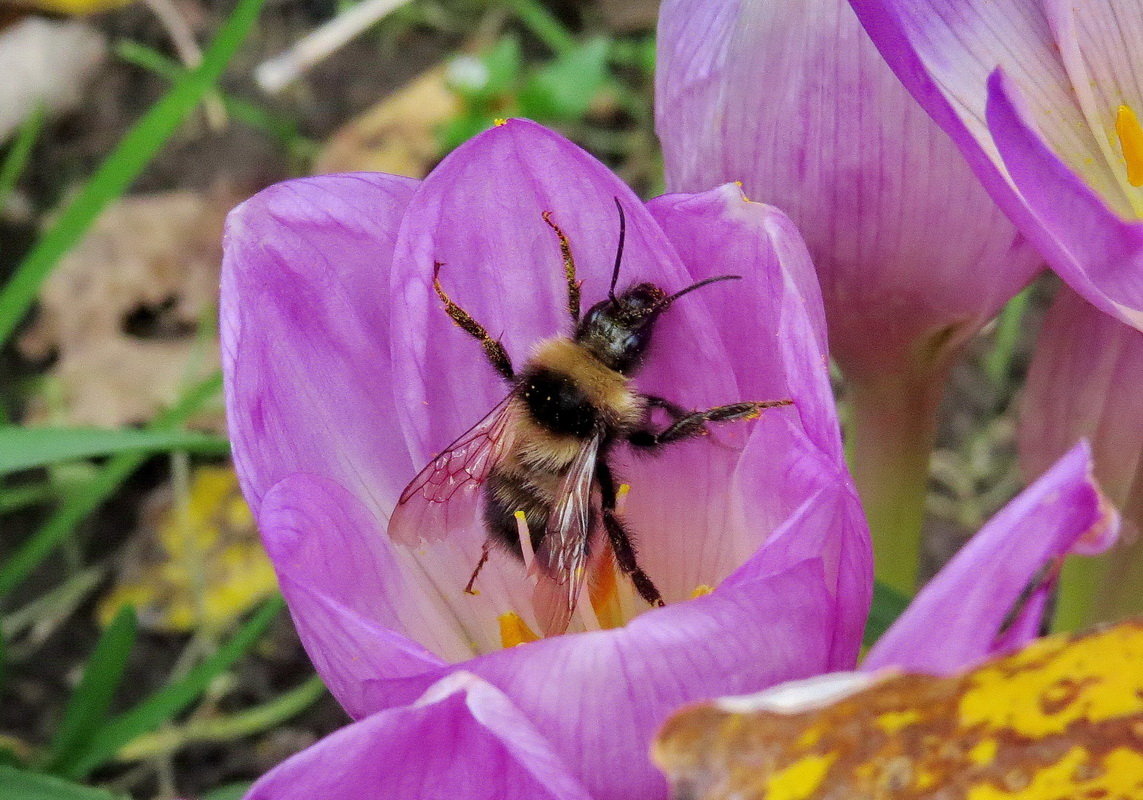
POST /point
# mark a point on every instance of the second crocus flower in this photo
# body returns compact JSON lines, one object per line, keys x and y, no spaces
{"x":793,"y":100}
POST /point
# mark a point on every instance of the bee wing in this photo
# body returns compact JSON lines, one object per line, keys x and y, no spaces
{"x":562,"y":556}
{"x":443,"y":496}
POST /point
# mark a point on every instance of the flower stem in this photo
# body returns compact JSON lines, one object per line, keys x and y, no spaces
{"x":1108,"y":588}
{"x":893,"y":427}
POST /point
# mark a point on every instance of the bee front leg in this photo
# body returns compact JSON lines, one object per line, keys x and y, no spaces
{"x":569,"y":266}
{"x":493,"y":350}
{"x":620,"y":538}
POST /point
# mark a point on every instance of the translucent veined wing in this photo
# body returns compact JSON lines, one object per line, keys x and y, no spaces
{"x":445,"y":495}
{"x":562,"y":557}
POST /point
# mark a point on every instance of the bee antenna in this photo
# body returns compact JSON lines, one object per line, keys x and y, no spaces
{"x":666,"y":301}
{"x":618,"y":250}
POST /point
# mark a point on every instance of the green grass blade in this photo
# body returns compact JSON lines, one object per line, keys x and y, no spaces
{"x":86,"y":499}
{"x":17,"y":784}
{"x":89,"y":704}
{"x":120,"y":169}
{"x":174,"y":698}
{"x":17,"y":156}
{"x":888,"y":604}
{"x":26,"y":448}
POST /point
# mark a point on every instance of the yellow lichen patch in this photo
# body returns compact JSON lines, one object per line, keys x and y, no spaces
{"x":1079,"y":774}
{"x":799,"y":780}
{"x":198,"y":562}
{"x":893,"y":721}
{"x":1131,"y":141}
{"x":514,"y":631}
{"x":1056,"y":683}
{"x":907,"y":737}
{"x":983,"y":752}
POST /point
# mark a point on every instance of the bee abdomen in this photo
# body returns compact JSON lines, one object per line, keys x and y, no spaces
{"x":504,"y":495}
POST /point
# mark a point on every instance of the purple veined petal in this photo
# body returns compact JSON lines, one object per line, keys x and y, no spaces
{"x":305,"y":335}
{"x":1096,"y":252}
{"x":463,"y":739}
{"x":599,"y":697}
{"x":1083,"y":383}
{"x":892,"y":216}
{"x":956,"y":620}
{"x":775,"y":334}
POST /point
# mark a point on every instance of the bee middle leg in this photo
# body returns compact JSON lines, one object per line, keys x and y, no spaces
{"x":694,"y":423}
{"x":569,"y":266}
{"x":620,"y":538}
{"x":493,"y":349}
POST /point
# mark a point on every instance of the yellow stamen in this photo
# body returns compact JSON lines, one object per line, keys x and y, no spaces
{"x":701,"y":591}
{"x":500,"y":121}
{"x":514,"y":631}
{"x":1131,"y":141}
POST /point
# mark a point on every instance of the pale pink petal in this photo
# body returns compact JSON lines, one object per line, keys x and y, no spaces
{"x":463,"y":740}
{"x":1084,"y":383}
{"x":793,"y":100}
{"x":958,"y":618}
{"x":1096,"y":252}
{"x":944,"y":51}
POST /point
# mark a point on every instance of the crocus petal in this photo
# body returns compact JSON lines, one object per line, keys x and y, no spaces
{"x":305,"y":335}
{"x":793,"y":100}
{"x":1096,"y":252}
{"x":599,"y":697}
{"x":969,"y":601}
{"x":945,"y":53}
{"x":775,"y":619}
{"x":1084,"y":383}
{"x":463,"y":739}
{"x":774,"y":333}
{"x":780,"y":465}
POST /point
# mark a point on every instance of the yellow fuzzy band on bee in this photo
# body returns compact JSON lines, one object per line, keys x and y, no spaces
{"x":607,"y":390}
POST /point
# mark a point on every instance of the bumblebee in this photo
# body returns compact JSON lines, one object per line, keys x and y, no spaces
{"x":544,"y":450}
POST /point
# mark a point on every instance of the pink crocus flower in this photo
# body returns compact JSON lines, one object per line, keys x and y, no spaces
{"x":793,"y":99}
{"x":1044,"y":99}
{"x":344,"y":376}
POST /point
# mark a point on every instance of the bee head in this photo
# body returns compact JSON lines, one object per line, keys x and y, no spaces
{"x":617,"y":330}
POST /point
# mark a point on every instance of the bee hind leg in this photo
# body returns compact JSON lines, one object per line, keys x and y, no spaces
{"x":620,"y":538}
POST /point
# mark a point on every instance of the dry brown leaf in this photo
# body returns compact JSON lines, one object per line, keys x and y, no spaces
{"x":1061,"y":719}
{"x":123,"y":308}
{"x":398,"y":135}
